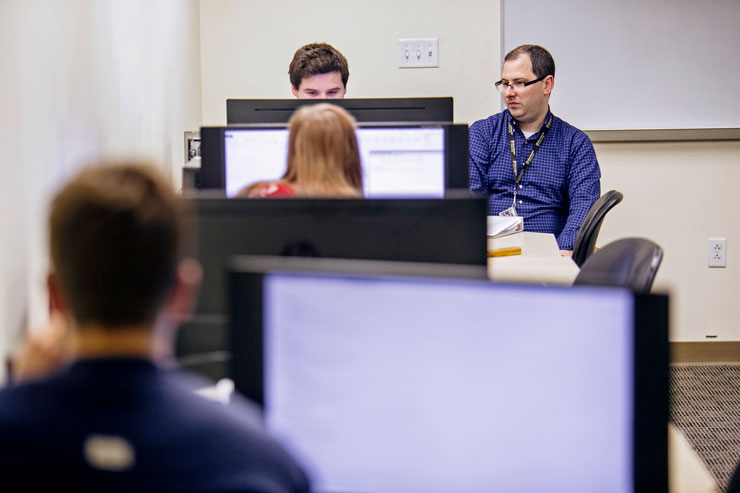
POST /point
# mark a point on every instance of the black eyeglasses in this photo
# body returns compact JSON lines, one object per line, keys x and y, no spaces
{"x":517,"y":86}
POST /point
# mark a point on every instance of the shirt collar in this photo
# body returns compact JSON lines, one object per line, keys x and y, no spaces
{"x":515,"y":124}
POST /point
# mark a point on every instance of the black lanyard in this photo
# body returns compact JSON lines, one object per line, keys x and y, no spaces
{"x":512,"y":148}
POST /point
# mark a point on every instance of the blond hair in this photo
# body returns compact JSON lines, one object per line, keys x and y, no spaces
{"x":323,"y":156}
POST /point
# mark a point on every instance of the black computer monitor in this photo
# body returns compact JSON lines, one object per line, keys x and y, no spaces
{"x":395,"y":383}
{"x":450,"y":230}
{"x":398,"y":160}
{"x":364,"y":110}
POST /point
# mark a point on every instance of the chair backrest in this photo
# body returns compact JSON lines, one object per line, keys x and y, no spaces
{"x":589,"y":230}
{"x":629,"y":262}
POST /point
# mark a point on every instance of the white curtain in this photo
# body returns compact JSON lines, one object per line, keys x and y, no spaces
{"x":79,"y":80}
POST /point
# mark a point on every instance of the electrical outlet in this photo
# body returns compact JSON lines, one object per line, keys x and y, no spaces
{"x":717,"y":252}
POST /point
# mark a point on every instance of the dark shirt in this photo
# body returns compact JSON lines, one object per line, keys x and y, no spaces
{"x":557,"y":189}
{"x":126,"y":424}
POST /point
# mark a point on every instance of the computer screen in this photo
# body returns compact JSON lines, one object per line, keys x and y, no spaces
{"x":363,"y":110}
{"x":395,"y":161}
{"x":421,"y":160}
{"x":391,"y":384}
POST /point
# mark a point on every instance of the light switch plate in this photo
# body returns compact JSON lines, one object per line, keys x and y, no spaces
{"x":418,"y":52}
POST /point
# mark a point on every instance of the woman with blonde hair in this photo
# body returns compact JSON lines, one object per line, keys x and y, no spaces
{"x":323,"y":157}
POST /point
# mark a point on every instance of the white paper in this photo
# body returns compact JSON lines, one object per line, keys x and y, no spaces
{"x":504,"y":225}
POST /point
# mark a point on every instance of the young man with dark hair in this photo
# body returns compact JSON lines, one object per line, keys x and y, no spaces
{"x":112,"y":419}
{"x":318,"y":71}
{"x":530,"y":162}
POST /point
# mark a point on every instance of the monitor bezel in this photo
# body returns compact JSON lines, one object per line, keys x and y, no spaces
{"x":432,"y":109}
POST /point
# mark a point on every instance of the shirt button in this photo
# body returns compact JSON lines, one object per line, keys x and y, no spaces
{"x":521,"y":186}
{"x":521,"y":202}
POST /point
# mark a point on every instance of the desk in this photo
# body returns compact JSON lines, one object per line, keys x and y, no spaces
{"x":539,"y":262}
{"x":686,"y":471}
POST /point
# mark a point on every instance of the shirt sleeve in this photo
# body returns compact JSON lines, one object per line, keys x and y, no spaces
{"x":584,"y":188}
{"x":479,"y":157}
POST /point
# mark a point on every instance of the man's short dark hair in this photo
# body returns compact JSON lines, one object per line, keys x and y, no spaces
{"x":314,"y":59}
{"x":116,"y":236}
{"x":542,"y":62}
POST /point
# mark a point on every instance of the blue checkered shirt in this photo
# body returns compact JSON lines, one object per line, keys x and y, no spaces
{"x":557,"y":189}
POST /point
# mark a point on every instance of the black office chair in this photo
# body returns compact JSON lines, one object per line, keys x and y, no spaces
{"x":589,"y":230}
{"x":629,"y":262}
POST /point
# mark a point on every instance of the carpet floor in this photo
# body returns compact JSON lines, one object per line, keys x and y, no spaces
{"x":705,"y":406}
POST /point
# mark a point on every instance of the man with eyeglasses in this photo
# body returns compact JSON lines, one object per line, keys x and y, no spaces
{"x":530,"y":162}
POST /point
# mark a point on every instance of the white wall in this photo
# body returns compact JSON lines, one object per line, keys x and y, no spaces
{"x":247,"y":47}
{"x":81,"y":79}
{"x":647,"y":56}
{"x":677,"y":194}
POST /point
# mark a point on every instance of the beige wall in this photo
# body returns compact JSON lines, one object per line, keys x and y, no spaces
{"x":247,"y":47}
{"x":680,"y":194}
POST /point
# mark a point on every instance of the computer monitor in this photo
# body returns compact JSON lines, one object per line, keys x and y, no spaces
{"x":364,"y":110}
{"x":399,"y":160}
{"x":450,"y":230}
{"x":393,"y":383}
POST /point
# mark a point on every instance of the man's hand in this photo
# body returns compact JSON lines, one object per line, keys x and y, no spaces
{"x":566,"y":253}
{"x":43,"y":352}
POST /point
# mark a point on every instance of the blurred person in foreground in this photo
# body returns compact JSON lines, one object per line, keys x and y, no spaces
{"x":323,"y":157}
{"x":96,"y":411}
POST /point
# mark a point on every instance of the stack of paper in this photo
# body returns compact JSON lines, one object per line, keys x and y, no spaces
{"x":504,"y":225}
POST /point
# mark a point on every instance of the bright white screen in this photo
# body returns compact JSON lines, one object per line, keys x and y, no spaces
{"x":420,"y":386}
{"x":252,"y":156}
{"x":396,"y":162}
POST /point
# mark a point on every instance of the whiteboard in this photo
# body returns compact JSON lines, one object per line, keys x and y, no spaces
{"x":633,"y":65}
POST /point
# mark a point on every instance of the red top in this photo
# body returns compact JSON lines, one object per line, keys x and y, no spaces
{"x":273,"y":190}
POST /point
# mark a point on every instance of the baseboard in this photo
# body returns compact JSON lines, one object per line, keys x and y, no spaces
{"x":705,"y":352}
